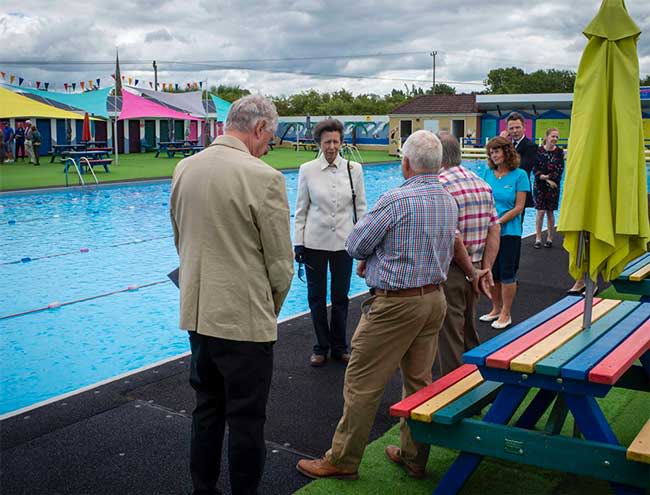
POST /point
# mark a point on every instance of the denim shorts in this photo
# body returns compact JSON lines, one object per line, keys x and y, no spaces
{"x":506,"y":264}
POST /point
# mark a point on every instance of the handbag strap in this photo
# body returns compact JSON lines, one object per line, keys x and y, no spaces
{"x":354,"y":195}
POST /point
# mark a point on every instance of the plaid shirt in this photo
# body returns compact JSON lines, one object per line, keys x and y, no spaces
{"x":476,"y":211}
{"x":408,"y":237}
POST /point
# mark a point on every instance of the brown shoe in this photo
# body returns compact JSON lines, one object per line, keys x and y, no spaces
{"x":317,"y":360}
{"x":322,"y":468}
{"x":344,"y":358}
{"x":394,"y":454}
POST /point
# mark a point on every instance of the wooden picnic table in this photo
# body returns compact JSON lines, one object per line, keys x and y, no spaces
{"x":62,"y":149}
{"x":635,"y":279}
{"x":568,"y":367}
{"x":307,"y":145}
{"x":93,"y":158}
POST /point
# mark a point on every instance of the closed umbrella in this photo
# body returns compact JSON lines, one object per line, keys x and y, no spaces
{"x":85,"y":131}
{"x":604,"y":215}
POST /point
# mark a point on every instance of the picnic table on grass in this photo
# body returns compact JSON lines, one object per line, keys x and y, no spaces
{"x":567,"y":368}
{"x":635,"y":279}
{"x":61,"y":149}
{"x":88,"y":158}
{"x":187,"y":147}
{"x":307,"y":145}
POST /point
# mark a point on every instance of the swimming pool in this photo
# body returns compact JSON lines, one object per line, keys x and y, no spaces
{"x":70,"y":246}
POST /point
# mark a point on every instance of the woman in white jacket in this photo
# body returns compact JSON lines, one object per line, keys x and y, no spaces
{"x":331,"y":197}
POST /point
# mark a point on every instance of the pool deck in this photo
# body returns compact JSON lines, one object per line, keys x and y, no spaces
{"x":131,"y":436}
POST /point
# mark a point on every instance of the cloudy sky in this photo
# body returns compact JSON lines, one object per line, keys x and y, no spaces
{"x":297,"y":45}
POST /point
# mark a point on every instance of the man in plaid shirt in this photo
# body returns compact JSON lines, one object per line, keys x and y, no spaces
{"x":405,"y":244}
{"x":476,"y":247}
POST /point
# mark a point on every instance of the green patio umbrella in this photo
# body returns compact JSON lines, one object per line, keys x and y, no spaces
{"x":604,"y":210}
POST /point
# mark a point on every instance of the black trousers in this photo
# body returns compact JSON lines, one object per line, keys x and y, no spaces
{"x":231,"y":380}
{"x":328,"y":336}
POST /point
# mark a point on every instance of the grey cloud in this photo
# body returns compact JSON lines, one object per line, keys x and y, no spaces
{"x":160,"y":35}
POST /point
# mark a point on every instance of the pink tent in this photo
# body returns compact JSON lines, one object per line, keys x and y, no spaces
{"x":137,"y":107}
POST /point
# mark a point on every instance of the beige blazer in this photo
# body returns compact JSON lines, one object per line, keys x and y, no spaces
{"x":230,"y":216}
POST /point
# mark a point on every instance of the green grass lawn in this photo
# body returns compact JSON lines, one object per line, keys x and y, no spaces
{"x":22,"y":175}
{"x":626,"y":410}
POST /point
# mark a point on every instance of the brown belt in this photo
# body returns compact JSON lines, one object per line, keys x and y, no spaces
{"x":413,"y":291}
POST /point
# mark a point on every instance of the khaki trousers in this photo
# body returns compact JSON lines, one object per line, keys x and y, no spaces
{"x":29,"y":148}
{"x":458,"y":332}
{"x":393,"y":332}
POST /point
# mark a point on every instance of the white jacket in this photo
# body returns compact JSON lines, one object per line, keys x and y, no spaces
{"x":323,"y":218}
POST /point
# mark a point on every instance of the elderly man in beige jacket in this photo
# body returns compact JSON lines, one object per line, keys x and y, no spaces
{"x":230,"y":217}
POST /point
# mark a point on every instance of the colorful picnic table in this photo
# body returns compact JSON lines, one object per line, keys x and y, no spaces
{"x":635,"y":279}
{"x":567,"y":367}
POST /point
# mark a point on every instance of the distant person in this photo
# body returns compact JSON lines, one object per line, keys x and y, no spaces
{"x":404,"y":244}
{"x":8,"y":140}
{"x":546,"y":193}
{"x":29,"y":146}
{"x":20,"y":141}
{"x":36,"y":145}
{"x":474,"y":253}
{"x":230,"y":218}
{"x":509,"y":186}
{"x":526,"y":149}
{"x":331,"y":198}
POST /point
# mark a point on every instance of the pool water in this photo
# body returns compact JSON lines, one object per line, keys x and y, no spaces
{"x":66,"y":246}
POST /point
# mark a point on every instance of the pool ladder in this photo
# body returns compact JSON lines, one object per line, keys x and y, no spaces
{"x":81,"y":179}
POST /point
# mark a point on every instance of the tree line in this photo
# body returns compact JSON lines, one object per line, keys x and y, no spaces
{"x":510,"y":80}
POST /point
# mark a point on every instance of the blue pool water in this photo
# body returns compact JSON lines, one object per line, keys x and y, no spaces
{"x":127,"y":233}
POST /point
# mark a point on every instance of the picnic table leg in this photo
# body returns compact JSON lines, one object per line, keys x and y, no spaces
{"x":594,"y":426}
{"x":52,"y":157}
{"x":645,"y":361}
{"x":536,"y":409}
{"x":500,"y":412}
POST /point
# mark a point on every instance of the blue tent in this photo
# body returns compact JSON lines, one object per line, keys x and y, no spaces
{"x":93,"y":102}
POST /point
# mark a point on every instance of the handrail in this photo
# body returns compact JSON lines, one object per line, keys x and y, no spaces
{"x":81,"y":180}
{"x":90,"y":168}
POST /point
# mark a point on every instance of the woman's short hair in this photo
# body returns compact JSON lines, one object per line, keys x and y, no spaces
{"x":247,"y":111}
{"x":328,"y":125}
{"x":548,"y":132}
{"x":423,"y":150}
{"x":511,"y":159}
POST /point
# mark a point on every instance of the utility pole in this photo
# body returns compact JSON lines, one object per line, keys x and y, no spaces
{"x":433,"y":88}
{"x":155,"y":75}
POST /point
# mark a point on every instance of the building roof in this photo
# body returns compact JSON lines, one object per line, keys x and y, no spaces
{"x":443,"y":104}
{"x":13,"y":105}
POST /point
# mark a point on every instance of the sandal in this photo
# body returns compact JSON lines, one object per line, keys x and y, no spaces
{"x":537,"y":245}
{"x":548,"y":244}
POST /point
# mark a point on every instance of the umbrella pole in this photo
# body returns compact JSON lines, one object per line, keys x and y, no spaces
{"x":583,"y":259}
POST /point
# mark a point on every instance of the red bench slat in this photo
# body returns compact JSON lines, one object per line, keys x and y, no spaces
{"x":403,"y":408}
{"x":612,"y":367}
{"x":503,"y":357}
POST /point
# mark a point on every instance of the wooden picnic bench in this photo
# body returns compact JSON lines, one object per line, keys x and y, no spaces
{"x":635,"y":278}
{"x":306,"y":145}
{"x":567,"y":367}
{"x":186,"y":150}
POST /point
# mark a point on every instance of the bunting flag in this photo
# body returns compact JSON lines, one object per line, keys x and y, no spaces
{"x":150,"y":85}
{"x":12,"y":78}
{"x":65,"y":85}
{"x":38,"y":84}
{"x":82,"y":84}
{"x":164,"y":86}
{"x":3,"y":75}
{"x":130,"y":80}
{"x":201,"y":84}
{"x":74,"y":86}
{"x":137,"y":81}
{"x":90,"y":84}
{"x":20,"y":81}
{"x":176,"y":86}
{"x":97,"y":82}
{"x":47,"y":85}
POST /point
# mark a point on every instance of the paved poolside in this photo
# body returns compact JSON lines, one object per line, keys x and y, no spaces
{"x":131,"y":436}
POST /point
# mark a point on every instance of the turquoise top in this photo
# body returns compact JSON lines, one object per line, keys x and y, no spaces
{"x":505,"y":192}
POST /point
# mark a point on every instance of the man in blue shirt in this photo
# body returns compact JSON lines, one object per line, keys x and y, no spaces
{"x":8,"y":139}
{"x":404,"y":244}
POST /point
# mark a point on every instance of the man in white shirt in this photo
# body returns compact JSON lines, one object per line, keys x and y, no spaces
{"x":331,"y":195}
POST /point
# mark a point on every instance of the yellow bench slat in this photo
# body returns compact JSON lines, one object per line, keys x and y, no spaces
{"x":525,"y":362}
{"x":639,"y":449}
{"x":424,"y":411}
{"x":640,"y":274}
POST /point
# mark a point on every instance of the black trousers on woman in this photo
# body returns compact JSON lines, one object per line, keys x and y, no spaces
{"x":232,"y":381}
{"x":329,"y":337}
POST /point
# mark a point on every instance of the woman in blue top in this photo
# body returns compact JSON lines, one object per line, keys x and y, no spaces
{"x":509,"y":186}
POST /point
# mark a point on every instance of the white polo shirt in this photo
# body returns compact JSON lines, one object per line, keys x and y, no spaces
{"x":323,"y":218}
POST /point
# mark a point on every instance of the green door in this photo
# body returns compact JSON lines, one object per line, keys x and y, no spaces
{"x":150,"y":133}
{"x":179,"y":130}
{"x":164,"y":130}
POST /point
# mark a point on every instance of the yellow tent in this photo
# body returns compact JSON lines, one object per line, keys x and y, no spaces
{"x":13,"y":105}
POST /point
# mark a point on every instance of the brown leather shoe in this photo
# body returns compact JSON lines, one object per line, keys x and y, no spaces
{"x":317,"y":360}
{"x":394,"y":454}
{"x":344,"y":358}
{"x":322,"y":468}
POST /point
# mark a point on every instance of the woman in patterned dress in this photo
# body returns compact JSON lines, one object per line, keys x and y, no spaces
{"x":546,"y":193}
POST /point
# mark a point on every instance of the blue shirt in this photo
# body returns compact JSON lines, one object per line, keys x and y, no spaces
{"x":8,"y":134}
{"x":505,"y":192}
{"x":408,"y":237}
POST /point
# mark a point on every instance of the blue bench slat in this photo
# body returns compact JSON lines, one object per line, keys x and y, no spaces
{"x":468,"y":404}
{"x":552,"y":363}
{"x":579,"y":367}
{"x":635,"y":265}
{"x":479,"y":354}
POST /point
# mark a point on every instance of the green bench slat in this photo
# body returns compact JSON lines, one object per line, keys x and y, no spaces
{"x":468,"y":404}
{"x":634,"y":266}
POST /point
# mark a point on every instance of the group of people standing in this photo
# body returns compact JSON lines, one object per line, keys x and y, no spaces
{"x":426,"y":250}
{"x":25,"y":140}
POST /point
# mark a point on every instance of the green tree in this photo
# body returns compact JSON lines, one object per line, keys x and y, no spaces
{"x":645,"y":81}
{"x":229,"y":93}
{"x":514,"y":80}
{"x":443,"y":89}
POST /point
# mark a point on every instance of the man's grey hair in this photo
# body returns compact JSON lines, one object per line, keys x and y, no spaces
{"x":451,"y":156}
{"x":247,"y":111}
{"x":424,"y":151}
